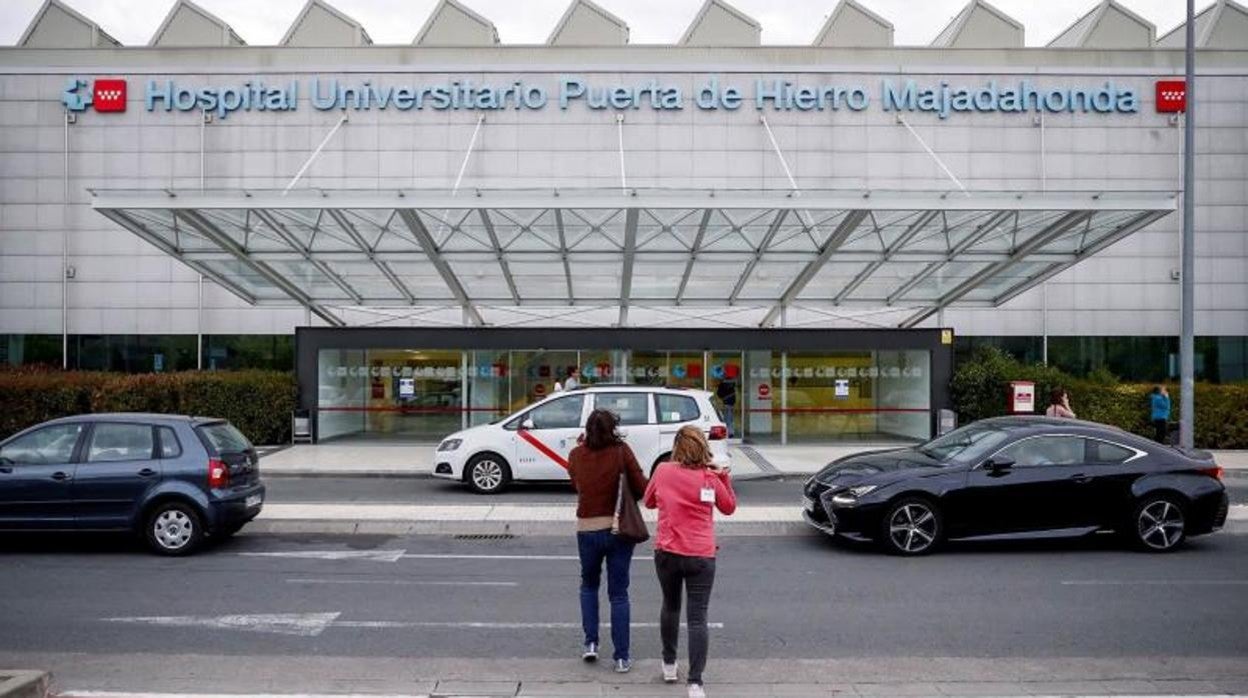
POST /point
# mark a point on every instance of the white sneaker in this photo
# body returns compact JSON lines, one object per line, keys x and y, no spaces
{"x":591,"y":652}
{"x":696,"y":691}
{"x":669,"y":672}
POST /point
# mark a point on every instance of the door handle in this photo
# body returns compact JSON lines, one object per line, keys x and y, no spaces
{"x":60,"y":475}
{"x":1081,"y":478}
{"x":147,"y":472}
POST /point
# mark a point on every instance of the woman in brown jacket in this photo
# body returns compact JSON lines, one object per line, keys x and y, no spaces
{"x":595,"y":467}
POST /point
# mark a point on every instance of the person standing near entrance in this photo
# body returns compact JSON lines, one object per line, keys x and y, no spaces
{"x":595,"y":467}
{"x":687,"y":491}
{"x":1059,"y":404}
{"x":574,"y":379}
{"x":1159,"y":408}
{"x":727,"y":394}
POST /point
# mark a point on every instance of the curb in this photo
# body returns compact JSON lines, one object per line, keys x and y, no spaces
{"x":487,"y":528}
{"x":24,"y":684}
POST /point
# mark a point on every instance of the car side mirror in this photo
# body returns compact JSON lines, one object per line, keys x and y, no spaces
{"x":527,"y":423}
{"x":998,"y":465}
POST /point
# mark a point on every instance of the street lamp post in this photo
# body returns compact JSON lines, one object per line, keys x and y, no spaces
{"x":1187,"y":382}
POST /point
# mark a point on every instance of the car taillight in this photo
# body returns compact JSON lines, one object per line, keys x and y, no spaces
{"x":719,"y":432}
{"x":1215,"y":472}
{"x":218,"y":474}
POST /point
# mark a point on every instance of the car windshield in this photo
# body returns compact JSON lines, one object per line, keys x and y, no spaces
{"x":965,"y":445}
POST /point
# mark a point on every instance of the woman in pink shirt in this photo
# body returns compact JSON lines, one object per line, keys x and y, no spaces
{"x":686,"y":491}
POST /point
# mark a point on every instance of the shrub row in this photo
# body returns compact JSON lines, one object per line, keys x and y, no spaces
{"x":259,"y":403}
{"x":980,"y":389}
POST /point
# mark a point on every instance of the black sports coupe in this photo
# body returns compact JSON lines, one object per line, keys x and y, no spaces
{"x":1020,"y":476}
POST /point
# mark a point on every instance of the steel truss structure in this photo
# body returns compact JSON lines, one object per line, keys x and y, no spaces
{"x":537,"y":252}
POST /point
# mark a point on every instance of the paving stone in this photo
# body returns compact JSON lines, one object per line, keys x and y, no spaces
{"x":897,"y":689}
{"x":476,"y":688}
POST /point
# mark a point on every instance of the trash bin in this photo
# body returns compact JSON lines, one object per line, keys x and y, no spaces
{"x":301,"y":427}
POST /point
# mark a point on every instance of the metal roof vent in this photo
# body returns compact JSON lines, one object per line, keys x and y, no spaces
{"x":1224,"y":25}
{"x":980,"y":25}
{"x":851,"y":24}
{"x":188,"y":24}
{"x":320,"y":24}
{"x":587,"y":24}
{"x":721,"y":24}
{"x":57,"y":25}
{"x":453,"y":24}
{"x":1108,"y":25}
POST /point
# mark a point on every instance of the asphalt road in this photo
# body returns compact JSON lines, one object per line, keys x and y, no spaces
{"x":791,"y":597}
{"x":289,"y":490}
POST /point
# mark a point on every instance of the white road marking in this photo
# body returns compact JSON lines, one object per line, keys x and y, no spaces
{"x":484,"y":625}
{"x":433,"y":556}
{"x":403,"y":582}
{"x":313,"y":624}
{"x":301,"y":624}
{"x":1154,"y":582}
{"x":131,"y":694}
{"x":373,"y":555}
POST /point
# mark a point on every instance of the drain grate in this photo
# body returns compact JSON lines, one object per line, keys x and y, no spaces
{"x":758,"y":459}
{"x":484,"y":536}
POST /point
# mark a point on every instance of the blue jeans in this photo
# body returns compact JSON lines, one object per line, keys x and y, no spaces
{"x":730,"y":417}
{"x":596,"y":546}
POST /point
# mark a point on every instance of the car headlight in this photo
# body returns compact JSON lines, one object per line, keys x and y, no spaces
{"x":850,"y":496}
{"x":450,"y":444}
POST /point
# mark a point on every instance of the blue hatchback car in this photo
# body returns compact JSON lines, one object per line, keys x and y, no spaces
{"x":175,"y":480}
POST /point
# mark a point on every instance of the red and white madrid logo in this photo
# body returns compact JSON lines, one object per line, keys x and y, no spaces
{"x":105,"y":94}
{"x":1171,"y":96}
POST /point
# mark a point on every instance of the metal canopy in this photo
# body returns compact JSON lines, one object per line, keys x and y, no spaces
{"x":916,"y":252}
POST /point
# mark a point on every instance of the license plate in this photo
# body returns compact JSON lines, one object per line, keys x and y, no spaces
{"x":253,"y":501}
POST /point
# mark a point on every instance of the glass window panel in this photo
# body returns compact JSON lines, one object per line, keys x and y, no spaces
{"x":47,"y":446}
{"x":120,"y":442}
{"x":630,"y":408}
{"x":1044,"y":450}
{"x":170,"y":447}
{"x":561,"y":413}
{"x":673,"y":409}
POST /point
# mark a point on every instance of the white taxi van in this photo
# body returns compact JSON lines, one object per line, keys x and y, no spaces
{"x":534,"y":443}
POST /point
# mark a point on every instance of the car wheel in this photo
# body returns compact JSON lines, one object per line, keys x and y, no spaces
{"x":1159,"y":523}
{"x":912,"y":526}
{"x":174,"y":528}
{"x":487,"y":473}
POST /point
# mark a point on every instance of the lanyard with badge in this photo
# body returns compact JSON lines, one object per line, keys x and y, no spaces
{"x":708,"y":491}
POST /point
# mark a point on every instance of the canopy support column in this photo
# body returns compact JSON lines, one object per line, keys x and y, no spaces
{"x":421,"y":233}
{"x":630,"y":250}
{"x":848,"y":225}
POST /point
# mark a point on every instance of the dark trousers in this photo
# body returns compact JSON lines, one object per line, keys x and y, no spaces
{"x":1160,"y":431}
{"x":596,"y":547}
{"x":697,"y":576}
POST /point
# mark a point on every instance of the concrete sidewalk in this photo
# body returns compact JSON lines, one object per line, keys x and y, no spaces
{"x":365,"y":459}
{"x":114,"y":675}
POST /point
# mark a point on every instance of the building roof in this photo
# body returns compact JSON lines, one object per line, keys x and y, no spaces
{"x":585,"y":23}
{"x":321,"y":24}
{"x":1107,"y":25}
{"x":454,"y":24}
{"x":188,"y":24}
{"x":719,"y":24}
{"x":980,"y":25}
{"x":57,"y":25}
{"x":852,"y":24}
{"x":1224,"y":25}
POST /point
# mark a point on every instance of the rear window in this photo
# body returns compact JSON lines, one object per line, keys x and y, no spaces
{"x":675,"y":408}
{"x":222,"y":437}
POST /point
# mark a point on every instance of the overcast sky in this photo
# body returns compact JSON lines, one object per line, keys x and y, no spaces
{"x":263,"y":22}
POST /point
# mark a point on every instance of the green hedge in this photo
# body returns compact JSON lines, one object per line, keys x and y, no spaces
{"x":259,"y":403}
{"x":980,"y":389}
